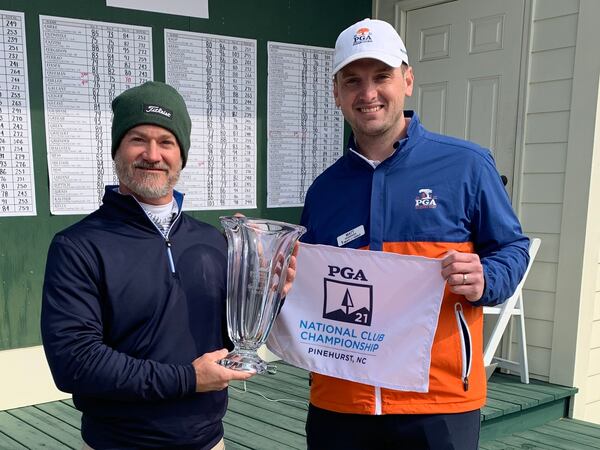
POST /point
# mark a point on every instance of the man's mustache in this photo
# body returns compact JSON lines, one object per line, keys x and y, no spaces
{"x":157,"y":166}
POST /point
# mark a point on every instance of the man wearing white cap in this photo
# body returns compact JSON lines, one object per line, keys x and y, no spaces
{"x":403,"y":189}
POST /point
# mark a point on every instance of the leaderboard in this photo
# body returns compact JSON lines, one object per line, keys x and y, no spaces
{"x":217,"y":77}
{"x":305,"y":128}
{"x":17,"y":189}
{"x":85,"y":65}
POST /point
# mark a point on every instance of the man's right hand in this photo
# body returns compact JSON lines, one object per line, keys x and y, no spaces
{"x":210,"y":376}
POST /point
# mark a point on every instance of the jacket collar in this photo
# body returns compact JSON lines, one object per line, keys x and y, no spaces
{"x":127,"y":208}
{"x":414,"y":131}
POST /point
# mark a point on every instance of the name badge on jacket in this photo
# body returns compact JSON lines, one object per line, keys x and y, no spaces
{"x":349,"y":236}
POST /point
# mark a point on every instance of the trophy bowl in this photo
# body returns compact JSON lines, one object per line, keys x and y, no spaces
{"x":258,"y":254}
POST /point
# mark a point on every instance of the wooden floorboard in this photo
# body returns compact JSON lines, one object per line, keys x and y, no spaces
{"x":28,"y":435}
{"x":575,"y":437}
{"x":288,"y":378}
{"x":235,"y":446}
{"x":517,"y":396}
{"x":263,"y":415}
{"x":555,"y":390}
{"x":63,"y":412}
{"x":293,"y":400}
{"x":585,"y":428}
{"x":489,"y":412}
{"x":255,"y":427}
{"x":268,"y":412}
{"x":282,"y":406}
{"x":292,"y":370}
{"x":241,"y":436}
{"x":565,"y":434}
{"x":49,"y":425}
{"x":495,"y":407}
{"x":7,"y":442}
{"x":276,"y":384}
{"x":514,"y":443}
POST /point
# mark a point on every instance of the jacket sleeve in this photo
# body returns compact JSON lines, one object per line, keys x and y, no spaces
{"x":72,"y":334}
{"x":309,"y":236}
{"x":498,"y":238}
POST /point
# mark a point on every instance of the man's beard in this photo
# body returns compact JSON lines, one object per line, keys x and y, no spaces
{"x":146,"y":184}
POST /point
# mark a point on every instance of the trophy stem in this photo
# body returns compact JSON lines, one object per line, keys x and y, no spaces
{"x":244,"y":360}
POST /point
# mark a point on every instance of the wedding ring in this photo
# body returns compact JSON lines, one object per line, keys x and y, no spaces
{"x":464,"y":278}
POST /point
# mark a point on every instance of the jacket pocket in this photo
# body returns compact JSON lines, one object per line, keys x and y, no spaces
{"x":465,"y":345}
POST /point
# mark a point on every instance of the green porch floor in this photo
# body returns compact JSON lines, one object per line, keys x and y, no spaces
{"x":515,"y":414}
{"x":566,"y":434}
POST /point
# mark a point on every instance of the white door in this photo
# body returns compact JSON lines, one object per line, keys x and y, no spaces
{"x":466,"y":57}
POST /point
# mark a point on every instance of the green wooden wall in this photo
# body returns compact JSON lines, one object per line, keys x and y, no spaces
{"x":24,"y":240}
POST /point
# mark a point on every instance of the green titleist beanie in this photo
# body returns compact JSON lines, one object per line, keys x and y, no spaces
{"x":152,"y":103}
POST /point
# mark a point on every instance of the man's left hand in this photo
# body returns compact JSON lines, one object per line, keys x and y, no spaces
{"x":464,"y":274}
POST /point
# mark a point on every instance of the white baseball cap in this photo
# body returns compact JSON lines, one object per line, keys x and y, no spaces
{"x":369,"y":39}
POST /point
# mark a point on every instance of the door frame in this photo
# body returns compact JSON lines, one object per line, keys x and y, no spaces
{"x":400,"y":12}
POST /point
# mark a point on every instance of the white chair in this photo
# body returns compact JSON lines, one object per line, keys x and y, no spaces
{"x":511,"y":307}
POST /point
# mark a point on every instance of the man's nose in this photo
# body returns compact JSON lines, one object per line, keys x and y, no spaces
{"x":368,"y":91}
{"x":152,"y":152}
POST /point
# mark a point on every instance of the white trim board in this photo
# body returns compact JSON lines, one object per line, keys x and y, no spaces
{"x":197,"y":8}
{"x":26,"y":379}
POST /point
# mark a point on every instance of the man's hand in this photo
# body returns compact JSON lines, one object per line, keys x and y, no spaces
{"x":464,"y":274}
{"x":211,"y":376}
{"x":291,"y":271}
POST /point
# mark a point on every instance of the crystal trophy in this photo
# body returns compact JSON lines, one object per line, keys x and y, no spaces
{"x":258,"y":255}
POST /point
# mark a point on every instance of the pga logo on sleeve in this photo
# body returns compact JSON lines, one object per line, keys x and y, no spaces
{"x":345,"y":299}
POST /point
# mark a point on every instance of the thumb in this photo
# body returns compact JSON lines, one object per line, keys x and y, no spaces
{"x":217,"y":354}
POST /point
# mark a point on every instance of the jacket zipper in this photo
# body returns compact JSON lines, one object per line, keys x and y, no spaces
{"x":465,"y":345}
{"x":170,"y":255}
{"x":166,"y":237}
{"x":168,"y":242}
{"x":377,"y":401}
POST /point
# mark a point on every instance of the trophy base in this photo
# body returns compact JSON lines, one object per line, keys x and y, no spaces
{"x":244,"y":361}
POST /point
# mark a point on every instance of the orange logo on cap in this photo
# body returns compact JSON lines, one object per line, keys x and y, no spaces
{"x":362,"y":35}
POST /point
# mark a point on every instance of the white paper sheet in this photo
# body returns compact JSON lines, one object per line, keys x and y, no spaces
{"x":216,"y":75}
{"x":17,"y":187}
{"x":305,"y":129}
{"x":85,"y":65}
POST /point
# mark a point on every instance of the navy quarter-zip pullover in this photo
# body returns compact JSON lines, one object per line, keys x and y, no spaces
{"x":125,"y":311}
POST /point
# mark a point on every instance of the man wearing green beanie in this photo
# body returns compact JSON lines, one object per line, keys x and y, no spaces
{"x":133,"y":309}
{"x":152,"y":103}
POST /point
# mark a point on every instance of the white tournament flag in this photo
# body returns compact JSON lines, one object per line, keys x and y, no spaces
{"x":361,"y":315}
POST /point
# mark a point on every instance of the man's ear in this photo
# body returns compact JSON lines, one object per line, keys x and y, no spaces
{"x":409,"y":79}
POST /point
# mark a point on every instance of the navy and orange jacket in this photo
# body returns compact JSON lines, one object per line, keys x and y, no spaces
{"x":435,"y":193}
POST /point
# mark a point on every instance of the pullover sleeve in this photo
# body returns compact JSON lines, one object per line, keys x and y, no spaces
{"x":498,"y":238}
{"x":72,"y":334}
